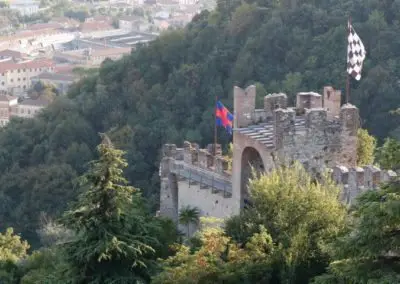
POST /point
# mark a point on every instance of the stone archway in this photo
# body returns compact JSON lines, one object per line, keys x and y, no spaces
{"x":251,"y":159}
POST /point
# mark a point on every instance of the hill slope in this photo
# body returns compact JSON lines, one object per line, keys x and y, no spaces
{"x":165,"y":92}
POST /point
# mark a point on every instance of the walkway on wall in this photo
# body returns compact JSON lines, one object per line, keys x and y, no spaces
{"x":205,"y":178}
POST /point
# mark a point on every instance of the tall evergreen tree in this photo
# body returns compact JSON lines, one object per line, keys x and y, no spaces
{"x":113,"y":242}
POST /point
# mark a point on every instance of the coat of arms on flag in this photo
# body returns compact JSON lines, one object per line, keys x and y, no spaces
{"x":355,"y":53}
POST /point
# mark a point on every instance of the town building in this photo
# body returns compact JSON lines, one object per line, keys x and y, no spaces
{"x":133,"y":23}
{"x":15,"y":78}
{"x":60,"y":81}
{"x":91,"y":57}
{"x":29,"y":108}
{"x":25,"y":7}
{"x":10,"y":107}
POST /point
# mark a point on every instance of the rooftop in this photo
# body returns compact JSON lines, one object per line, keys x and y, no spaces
{"x":8,"y":66}
{"x":12,"y":53}
{"x":55,"y":76}
{"x":95,"y":26}
{"x":37,"y":102}
{"x":7,"y":98}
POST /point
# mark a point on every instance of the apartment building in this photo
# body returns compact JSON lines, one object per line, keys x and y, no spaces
{"x":29,"y":108}
{"x":8,"y":105}
{"x":15,"y":78}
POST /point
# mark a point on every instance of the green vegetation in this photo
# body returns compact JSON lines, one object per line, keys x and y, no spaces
{"x":367,"y":252}
{"x":188,"y":216}
{"x":366,"y":145}
{"x":164,"y":92}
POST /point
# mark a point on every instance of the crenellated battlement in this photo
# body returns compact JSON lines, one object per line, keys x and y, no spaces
{"x":356,"y":180}
{"x":192,"y":155}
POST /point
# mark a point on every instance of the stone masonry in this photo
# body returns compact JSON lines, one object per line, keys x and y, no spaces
{"x":319,"y":133}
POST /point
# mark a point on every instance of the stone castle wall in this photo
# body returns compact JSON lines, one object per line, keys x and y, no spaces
{"x":195,"y":177}
{"x":318,"y":132}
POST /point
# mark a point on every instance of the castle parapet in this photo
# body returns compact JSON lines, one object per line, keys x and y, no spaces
{"x":316,"y":118}
{"x":221,"y":165}
{"x":308,"y":100}
{"x":273,"y":102}
{"x":331,"y":101}
{"x":356,"y":179}
{"x":284,"y":126}
{"x":190,"y":153}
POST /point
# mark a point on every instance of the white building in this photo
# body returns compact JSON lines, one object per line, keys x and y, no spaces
{"x":25,"y":7}
{"x":29,"y":108}
{"x":15,"y":78}
{"x":188,"y":2}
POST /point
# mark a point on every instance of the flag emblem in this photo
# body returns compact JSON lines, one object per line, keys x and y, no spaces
{"x":355,"y":54}
{"x":223,"y":117}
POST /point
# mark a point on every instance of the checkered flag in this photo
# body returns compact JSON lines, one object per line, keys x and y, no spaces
{"x":355,"y":54}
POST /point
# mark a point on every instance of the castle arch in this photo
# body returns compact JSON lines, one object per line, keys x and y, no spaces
{"x":251,"y":159}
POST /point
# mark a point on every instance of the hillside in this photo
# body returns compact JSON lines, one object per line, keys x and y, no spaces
{"x":165,"y":92}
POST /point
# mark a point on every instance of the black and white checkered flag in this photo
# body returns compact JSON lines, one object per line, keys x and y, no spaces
{"x":355,"y":54}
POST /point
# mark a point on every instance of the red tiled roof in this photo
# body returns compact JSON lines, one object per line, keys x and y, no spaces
{"x":95,"y":26}
{"x":44,"y":26}
{"x":7,"y":66}
{"x":12,"y":53}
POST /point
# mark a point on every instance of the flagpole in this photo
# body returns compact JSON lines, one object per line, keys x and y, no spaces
{"x":347,"y":73}
{"x":215,"y":126}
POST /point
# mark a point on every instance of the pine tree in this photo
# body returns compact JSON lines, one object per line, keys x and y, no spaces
{"x":113,"y":241}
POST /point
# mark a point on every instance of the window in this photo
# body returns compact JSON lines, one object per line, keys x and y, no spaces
{"x":22,"y":110}
{"x":12,"y":80}
{"x":2,"y":83}
{"x":19,"y":79}
{"x":24,"y":70}
{"x":24,"y":87}
{"x":24,"y":79}
{"x":29,"y":111}
{"x":19,"y":71}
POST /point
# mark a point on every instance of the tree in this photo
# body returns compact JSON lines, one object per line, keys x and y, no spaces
{"x":12,"y":250}
{"x":220,"y":260}
{"x":187,"y":216}
{"x":113,"y":234}
{"x":368,"y":252}
{"x":365,"y":148}
{"x":300,"y":213}
{"x":388,"y":155}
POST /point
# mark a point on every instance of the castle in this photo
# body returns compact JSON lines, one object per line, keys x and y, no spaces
{"x":318,"y":132}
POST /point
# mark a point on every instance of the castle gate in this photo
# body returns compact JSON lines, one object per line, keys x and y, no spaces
{"x":251,"y":161}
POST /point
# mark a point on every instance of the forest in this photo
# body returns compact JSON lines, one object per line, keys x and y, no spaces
{"x":164,"y":93}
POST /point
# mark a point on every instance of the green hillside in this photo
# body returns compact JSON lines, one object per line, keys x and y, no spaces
{"x":165,"y":92}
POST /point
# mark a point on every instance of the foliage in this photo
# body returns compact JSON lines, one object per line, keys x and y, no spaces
{"x":113,"y":239}
{"x":43,"y":91}
{"x":368,"y":252}
{"x":219,"y":260}
{"x":301,"y":214}
{"x":388,"y":155}
{"x":12,"y":250}
{"x":189,"y":215}
{"x":365,"y":148}
{"x":164,"y":91}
